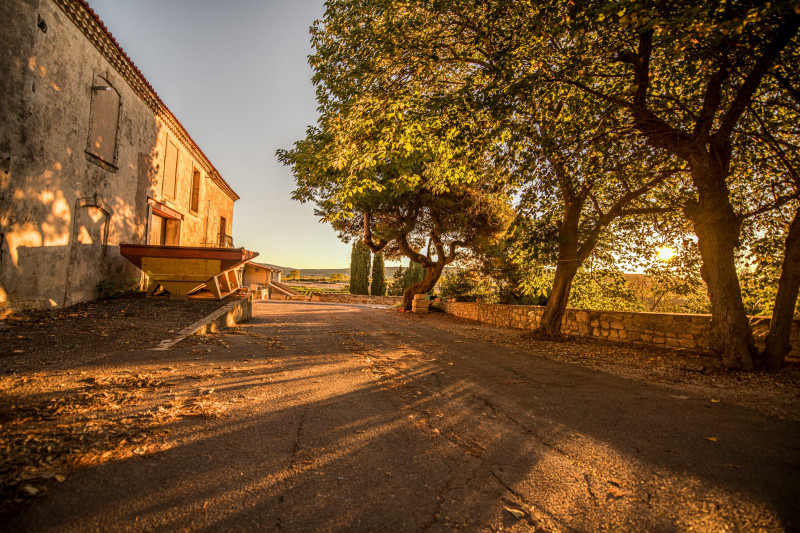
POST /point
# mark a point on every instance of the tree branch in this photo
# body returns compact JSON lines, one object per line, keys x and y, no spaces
{"x":711,"y":103}
{"x":368,"y":241}
{"x":402,"y":243}
{"x":782,"y":36}
{"x":780,"y":201}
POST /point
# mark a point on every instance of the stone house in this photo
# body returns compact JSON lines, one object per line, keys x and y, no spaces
{"x":89,"y":157}
{"x":259,"y":275}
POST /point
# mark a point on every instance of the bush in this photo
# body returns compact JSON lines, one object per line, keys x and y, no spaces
{"x":403,"y":279}
{"x":467,"y":286}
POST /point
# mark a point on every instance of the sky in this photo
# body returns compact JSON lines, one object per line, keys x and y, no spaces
{"x":236,"y":75}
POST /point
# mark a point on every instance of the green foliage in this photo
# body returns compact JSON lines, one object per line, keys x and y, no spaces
{"x":604,"y":289}
{"x":413,"y":274}
{"x":432,"y":114}
{"x":467,"y":286}
{"x":381,"y":168}
{"x":359,"y":268}
{"x":396,"y":288}
{"x":378,"y":284}
{"x":294,"y":274}
{"x":404,"y":278}
{"x":760,"y":263}
{"x":319,"y":290}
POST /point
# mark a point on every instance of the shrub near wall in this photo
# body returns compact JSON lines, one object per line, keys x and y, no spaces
{"x":356,"y":299}
{"x":669,"y":330}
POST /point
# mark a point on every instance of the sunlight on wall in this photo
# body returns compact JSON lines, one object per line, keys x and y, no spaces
{"x":26,"y":235}
{"x":124,"y":224}
{"x":96,"y":215}
{"x":46,"y":197}
{"x":42,"y":71}
{"x":53,"y":230}
{"x":52,"y":237}
{"x":83,"y":236}
{"x":59,"y":217}
{"x":61,"y":207}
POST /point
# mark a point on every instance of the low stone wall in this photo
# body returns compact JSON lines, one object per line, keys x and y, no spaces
{"x":356,"y":299}
{"x":669,"y":330}
{"x":239,"y":309}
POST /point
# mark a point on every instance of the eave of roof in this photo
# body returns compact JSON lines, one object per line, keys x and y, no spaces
{"x":93,"y":28}
{"x":262,"y":265}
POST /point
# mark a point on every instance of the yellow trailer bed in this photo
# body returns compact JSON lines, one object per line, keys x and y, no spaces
{"x":183,"y":270}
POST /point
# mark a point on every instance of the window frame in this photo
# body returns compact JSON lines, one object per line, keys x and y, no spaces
{"x":92,"y":155}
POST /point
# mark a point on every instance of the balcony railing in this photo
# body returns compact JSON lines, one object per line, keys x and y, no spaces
{"x":222,"y":241}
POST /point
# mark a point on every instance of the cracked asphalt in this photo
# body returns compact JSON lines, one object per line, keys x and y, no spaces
{"x":350,"y":418}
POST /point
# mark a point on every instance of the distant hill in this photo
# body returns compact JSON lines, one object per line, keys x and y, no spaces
{"x":322,"y":272}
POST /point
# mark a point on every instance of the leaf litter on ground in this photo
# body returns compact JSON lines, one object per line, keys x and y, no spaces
{"x":43,"y":441}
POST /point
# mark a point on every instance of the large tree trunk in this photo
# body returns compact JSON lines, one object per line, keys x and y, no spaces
{"x":432,"y":275}
{"x":717,"y":228}
{"x":550,"y":324}
{"x":777,"y":342}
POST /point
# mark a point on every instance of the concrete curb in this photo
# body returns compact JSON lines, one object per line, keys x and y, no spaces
{"x":225,"y":317}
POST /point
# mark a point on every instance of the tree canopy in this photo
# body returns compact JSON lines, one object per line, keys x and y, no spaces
{"x":588,"y":114}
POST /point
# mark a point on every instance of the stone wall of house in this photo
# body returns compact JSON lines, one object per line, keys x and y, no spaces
{"x":83,"y":159}
{"x":356,"y":299}
{"x":669,"y":330}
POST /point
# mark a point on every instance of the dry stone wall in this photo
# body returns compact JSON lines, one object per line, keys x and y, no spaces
{"x":356,"y":299}
{"x":669,"y":330}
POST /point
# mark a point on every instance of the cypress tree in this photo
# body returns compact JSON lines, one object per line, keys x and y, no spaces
{"x":414,"y":274}
{"x":378,"y":285}
{"x":359,"y":268}
{"x":396,"y":287}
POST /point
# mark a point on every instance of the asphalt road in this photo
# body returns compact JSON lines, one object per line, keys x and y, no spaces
{"x":347,"y":418}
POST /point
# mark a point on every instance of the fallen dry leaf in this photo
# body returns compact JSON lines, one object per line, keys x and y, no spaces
{"x":516,"y":513}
